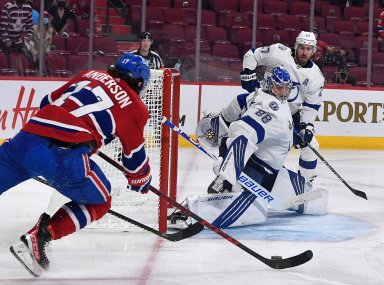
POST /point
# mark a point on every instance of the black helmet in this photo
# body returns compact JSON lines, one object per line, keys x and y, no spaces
{"x":145,"y":35}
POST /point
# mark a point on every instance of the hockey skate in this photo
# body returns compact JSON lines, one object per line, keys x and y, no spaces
{"x":177,"y":217}
{"x":30,"y":251}
{"x":178,"y":220}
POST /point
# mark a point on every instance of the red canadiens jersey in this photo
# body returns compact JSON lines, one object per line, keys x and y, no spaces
{"x":95,"y":106}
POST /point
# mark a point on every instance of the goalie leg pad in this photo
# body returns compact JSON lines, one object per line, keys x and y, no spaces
{"x":238,"y":153}
{"x":229,"y":209}
{"x":289,"y":184}
{"x":318,"y":206}
{"x":211,"y":129}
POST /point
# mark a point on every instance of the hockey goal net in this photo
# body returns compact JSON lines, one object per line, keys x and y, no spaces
{"x":162,"y":99}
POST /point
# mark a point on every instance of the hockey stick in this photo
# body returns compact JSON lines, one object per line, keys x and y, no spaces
{"x":354,"y":191}
{"x":180,"y":235}
{"x":275,"y":263}
{"x":251,"y":185}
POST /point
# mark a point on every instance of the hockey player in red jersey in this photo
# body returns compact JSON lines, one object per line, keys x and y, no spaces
{"x":73,"y":123}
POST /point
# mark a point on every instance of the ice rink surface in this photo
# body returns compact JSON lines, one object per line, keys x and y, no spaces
{"x":348,"y":243}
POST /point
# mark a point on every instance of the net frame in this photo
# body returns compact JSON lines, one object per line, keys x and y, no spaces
{"x":162,"y":149}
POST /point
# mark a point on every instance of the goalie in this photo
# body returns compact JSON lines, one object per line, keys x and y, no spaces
{"x":73,"y":122}
{"x":253,"y":134}
{"x":305,"y":98}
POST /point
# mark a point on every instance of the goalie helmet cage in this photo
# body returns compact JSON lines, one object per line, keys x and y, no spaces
{"x":162,"y":99}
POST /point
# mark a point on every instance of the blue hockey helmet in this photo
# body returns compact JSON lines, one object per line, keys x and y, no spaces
{"x":277,"y":82}
{"x":135,"y":67}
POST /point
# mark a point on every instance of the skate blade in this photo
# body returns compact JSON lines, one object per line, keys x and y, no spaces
{"x":25,"y":257}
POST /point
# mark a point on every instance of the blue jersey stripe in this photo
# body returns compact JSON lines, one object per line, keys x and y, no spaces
{"x":312,"y":106}
{"x":260,"y":131}
{"x":242,"y":100}
{"x":105,"y":121}
{"x":135,"y":160}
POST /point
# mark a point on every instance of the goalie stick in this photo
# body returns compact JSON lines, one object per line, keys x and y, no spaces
{"x":354,"y":191}
{"x":271,"y":262}
{"x":251,"y":185}
{"x":191,"y":230}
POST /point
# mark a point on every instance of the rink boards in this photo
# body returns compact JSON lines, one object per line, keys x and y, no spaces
{"x":348,"y":118}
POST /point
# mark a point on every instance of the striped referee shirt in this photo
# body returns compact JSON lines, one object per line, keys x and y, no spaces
{"x":153,"y":58}
{"x":14,"y":21}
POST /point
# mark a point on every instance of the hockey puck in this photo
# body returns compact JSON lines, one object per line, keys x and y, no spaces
{"x":276,"y":257}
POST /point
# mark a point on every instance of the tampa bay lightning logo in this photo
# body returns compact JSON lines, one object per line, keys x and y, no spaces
{"x":274,"y":106}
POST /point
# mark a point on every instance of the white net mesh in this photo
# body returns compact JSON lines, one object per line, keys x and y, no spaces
{"x":141,"y":207}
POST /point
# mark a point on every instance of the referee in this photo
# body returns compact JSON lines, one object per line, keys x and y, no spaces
{"x":154,"y":59}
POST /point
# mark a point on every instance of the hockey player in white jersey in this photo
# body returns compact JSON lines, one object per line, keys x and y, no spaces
{"x":305,"y":98}
{"x":254,"y":136}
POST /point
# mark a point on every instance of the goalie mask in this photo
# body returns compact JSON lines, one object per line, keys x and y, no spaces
{"x":135,"y":71}
{"x":277,"y":82}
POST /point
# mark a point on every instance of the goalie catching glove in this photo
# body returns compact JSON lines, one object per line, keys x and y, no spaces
{"x":141,"y":182}
{"x":249,"y":80}
{"x":211,"y":129}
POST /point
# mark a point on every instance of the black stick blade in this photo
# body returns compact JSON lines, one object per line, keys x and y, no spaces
{"x":180,"y":235}
{"x":191,"y":230}
{"x":359,"y":193}
{"x":290,"y":261}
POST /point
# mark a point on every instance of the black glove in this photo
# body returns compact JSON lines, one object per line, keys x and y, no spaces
{"x":249,"y":80}
{"x":307,"y":132}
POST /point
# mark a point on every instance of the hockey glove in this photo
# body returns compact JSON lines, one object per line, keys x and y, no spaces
{"x":249,"y":80}
{"x":307,"y":132}
{"x":140,"y":183}
{"x":211,"y":129}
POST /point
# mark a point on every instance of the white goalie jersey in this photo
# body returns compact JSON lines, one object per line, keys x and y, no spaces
{"x":308,"y":81}
{"x":267,"y":124}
